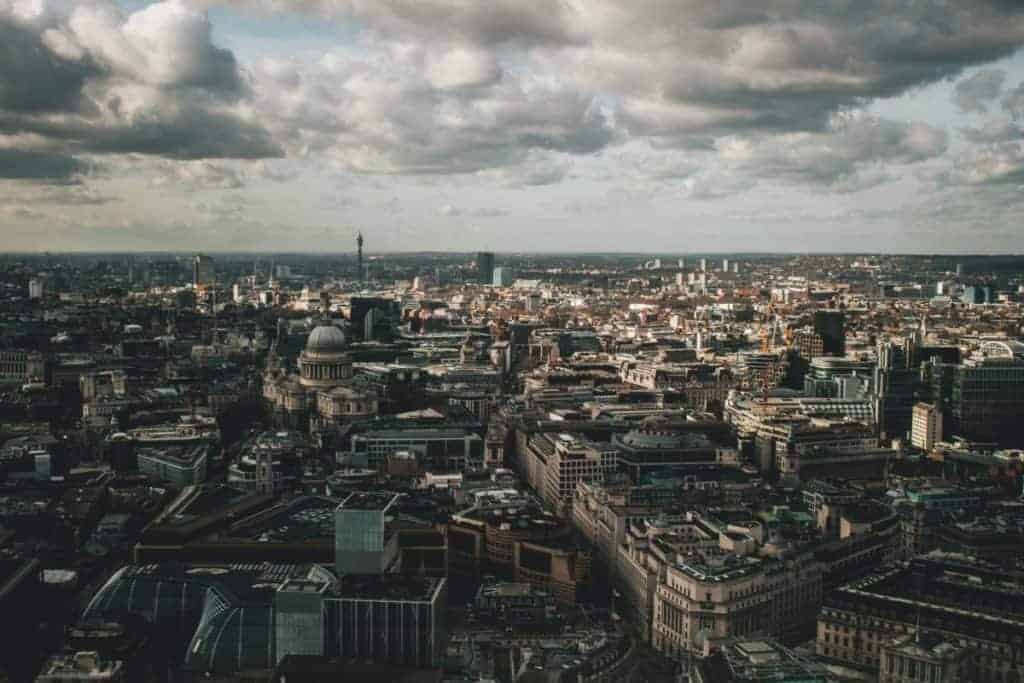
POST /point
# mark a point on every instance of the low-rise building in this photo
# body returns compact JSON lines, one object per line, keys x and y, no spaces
{"x":954,"y":597}
{"x":81,"y":667}
{"x":916,"y":657}
{"x":179,"y":466}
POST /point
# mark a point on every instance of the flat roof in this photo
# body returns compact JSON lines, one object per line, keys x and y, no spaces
{"x":395,"y":587}
{"x":304,"y":519}
{"x":373,"y":500}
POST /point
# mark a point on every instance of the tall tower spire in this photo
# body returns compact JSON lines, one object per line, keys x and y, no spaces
{"x":359,"y":253}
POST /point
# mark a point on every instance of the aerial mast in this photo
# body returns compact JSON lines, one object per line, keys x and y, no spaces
{"x":359,"y":254}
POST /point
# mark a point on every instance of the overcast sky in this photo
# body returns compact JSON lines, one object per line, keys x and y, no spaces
{"x":514,"y":125}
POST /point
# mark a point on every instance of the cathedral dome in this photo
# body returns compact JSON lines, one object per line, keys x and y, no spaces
{"x":326,"y":339}
{"x":325,"y":362}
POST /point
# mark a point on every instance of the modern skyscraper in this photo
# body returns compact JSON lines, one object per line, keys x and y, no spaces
{"x":203,"y":274}
{"x":485,"y":267}
{"x":364,"y":543}
{"x":982,"y":398}
{"x":830,"y":325}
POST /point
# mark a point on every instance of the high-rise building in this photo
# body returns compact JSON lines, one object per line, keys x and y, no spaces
{"x":502,"y":277}
{"x":725,"y":265}
{"x":203,"y":274}
{"x":485,"y":267}
{"x":703,"y":265}
{"x":364,"y":542}
{"x":976,"y":295}
{"x":830,"y":325}
{"x":36,"y":288}
{"x":389,"y":309}
{"x":982,"y":398}
{"x":926,"y":428}
{"x":299,"y":617}
{"x":387,"y":620}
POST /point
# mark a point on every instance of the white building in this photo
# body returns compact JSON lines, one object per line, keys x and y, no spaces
{"x":926,"y":426}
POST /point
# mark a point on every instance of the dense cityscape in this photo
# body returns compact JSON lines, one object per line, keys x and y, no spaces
{"x":705,"y":468}
{"x":511,"y":341}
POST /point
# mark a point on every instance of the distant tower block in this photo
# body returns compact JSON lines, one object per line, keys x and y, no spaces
{"x":359,"y":254}
{"x":265,"y":472}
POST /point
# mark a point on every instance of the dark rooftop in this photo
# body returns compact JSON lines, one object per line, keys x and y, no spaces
{"x":375,"y":500}
{"x":388,"y":587}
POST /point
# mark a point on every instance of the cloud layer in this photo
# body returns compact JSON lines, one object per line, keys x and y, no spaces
{"x":693,"y":99}
{"x":78,"y":80}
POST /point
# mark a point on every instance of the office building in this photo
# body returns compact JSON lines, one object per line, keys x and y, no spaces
{"x":757,"y":661}
{"x":388,"y":620}
{"x":645,"y":452}
{"x":897,"y":386}
{"x":249,"y":616}
{"x":389,"y":312}
{"x":555,"y":463}
{"x":502,"y":277}
{"x":518,"y":541}
{"x":203,"y":274}
{"x":831,"y":376}
{"x":787,"y":445}
{"x":953,"y":597}
{"x":976,"y":294}
{"x":485,"y":267}
{"x":450,"y":450}
{"x":917,"y":656}
{"x":831,"y":327}
{"x":81,"y":667}
{"x":36,"y":288}
{"x":178,"y":466}
{"x":926,"y":429}
{"x":715,"y":594}
{"x":982,"y":398}
{"x":364,"y":542}
{"x":19,"y":366}
{"x":299,"y":617}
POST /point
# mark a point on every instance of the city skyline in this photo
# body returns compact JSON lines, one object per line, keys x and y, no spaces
{"x":528,"y":127}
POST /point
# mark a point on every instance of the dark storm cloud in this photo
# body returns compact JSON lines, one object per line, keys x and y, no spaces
{"x":193,"y":133}
{"x":32,"y":78}
{"x":35,"y":165}
{"x":84,"y":79}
